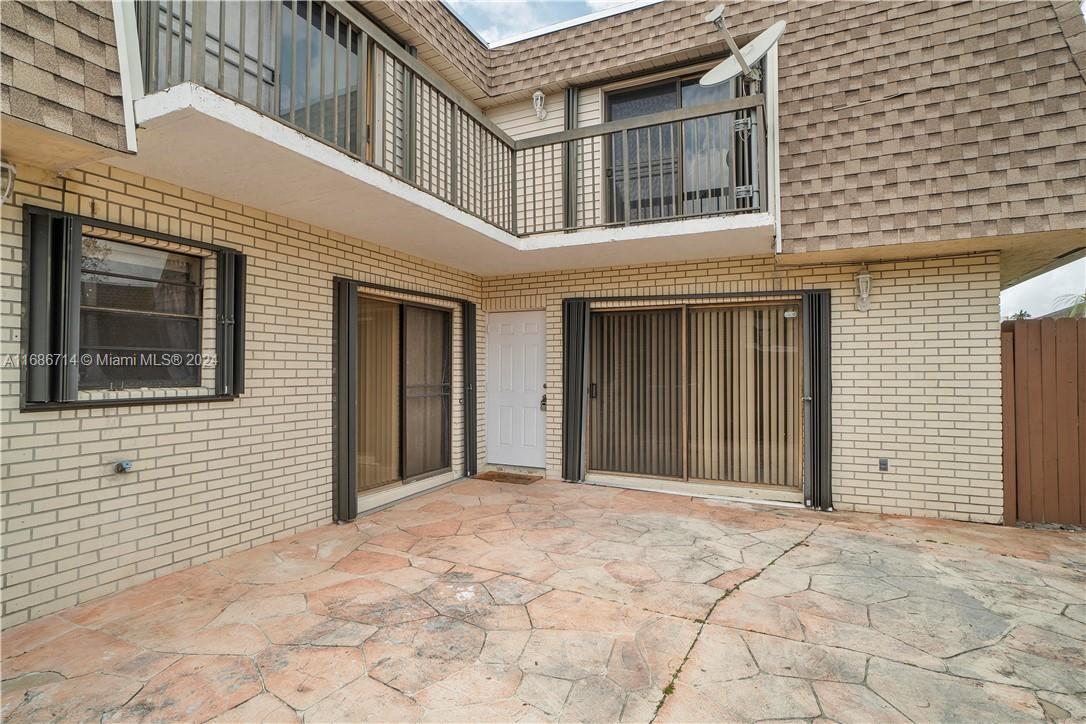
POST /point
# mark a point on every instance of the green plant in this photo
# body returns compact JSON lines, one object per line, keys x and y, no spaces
{"x":1020,"y":314}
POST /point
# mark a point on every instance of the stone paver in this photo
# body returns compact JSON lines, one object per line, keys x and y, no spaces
{"x":490,"y":602}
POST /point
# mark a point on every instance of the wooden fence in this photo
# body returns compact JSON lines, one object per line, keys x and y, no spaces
{"x":1044,"y":421}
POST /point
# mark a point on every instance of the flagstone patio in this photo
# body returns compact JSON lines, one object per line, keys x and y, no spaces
{"x":484,"y":601}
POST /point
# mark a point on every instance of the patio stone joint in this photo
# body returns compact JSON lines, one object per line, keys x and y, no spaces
{"x":670,"y":688}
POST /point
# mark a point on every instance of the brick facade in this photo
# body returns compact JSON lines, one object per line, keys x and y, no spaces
{"x":915,"y":379}
{"x":209,"y":477}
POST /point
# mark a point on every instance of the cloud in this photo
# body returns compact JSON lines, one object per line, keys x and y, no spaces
{"x":597,"y":5}
{"x":494,"y":20}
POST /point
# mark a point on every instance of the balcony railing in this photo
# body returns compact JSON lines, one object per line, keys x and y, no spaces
{"x":334,"y":75}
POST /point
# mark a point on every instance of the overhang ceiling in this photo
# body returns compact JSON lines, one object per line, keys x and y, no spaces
{"x":194,"y":138}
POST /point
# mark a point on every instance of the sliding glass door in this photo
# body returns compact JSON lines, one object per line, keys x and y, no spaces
{"x":427,"y":390}
{"x":635,"y":393}
{"x":707,"y":393}
{"x":404,"y":373}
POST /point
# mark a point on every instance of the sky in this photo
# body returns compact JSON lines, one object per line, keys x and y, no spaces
{"x":1041,"y":294}
{"x":496,"y":20}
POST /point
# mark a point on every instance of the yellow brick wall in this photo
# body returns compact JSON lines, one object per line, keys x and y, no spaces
{"x":209,"y":477}
{"x":916,"y":379}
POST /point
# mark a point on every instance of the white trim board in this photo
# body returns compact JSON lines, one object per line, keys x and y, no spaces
{"x":786,"y":497}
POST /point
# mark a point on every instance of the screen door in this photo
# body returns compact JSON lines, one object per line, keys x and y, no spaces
{"x":427,"y":390}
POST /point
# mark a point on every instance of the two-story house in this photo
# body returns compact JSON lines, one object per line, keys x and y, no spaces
{"x":269,"y":264}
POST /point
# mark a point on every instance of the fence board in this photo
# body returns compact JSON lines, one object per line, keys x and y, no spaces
{"x":1044,"y":421}
{"x":1067,"y":391}
{"x":1050,"y":491}
{"x":1082,"y":419}
{"x":1010,"y":457}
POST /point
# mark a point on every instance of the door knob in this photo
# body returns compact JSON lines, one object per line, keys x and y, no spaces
{"x":543,"y":402}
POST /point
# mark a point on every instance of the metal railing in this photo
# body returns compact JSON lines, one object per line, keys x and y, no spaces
{"x":700,"y":161}
{"x":331,"y":73}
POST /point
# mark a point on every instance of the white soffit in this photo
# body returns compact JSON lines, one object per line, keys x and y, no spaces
{"x":193,"y":137}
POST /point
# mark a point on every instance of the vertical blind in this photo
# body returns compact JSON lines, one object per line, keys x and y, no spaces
{"x":635,"y":392}
{"x":378,"y":393}
{"x":745,"y":395}
{"x":708,"y":393}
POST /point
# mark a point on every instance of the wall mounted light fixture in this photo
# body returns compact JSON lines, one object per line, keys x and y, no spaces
{"x":538,"y":99}
{"x":863,"y":289}
{"x":7,"y":180}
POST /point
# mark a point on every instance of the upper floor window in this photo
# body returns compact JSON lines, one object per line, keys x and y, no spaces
{"x":686,"y":168}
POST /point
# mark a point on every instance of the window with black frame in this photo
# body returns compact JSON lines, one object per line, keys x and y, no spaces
{"x":116,"y":314}
{"x":681,"y":168}
{"x":140,"y":316}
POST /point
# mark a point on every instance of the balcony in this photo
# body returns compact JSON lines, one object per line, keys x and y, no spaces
{"x":331,"y":75}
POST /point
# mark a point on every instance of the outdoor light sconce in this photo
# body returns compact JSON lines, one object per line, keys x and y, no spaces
{"x":538,"y":99}
{"x":7,"y":180}
{"x":863,"y":288}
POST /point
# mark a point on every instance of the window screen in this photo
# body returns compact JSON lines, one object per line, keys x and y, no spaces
{"x":139,"y":316}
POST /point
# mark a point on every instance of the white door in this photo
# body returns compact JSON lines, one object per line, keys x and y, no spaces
{"x":515,"y":433}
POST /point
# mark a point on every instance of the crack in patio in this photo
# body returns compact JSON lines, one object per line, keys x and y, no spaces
{"x":670,"y":688}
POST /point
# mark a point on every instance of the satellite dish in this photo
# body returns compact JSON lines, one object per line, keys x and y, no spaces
{"x":740,"y":60}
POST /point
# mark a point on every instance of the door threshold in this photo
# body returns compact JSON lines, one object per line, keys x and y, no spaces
{"x":381,"y":499}
{"x":784,"y":498}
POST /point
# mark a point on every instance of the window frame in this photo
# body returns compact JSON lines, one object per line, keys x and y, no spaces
{"x":60,"y":305}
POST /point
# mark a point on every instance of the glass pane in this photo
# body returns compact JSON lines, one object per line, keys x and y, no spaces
{"x":352,"y":81}
{"x":142,"y":295}
{"x":378,"y":393}
{"x":427,"y":390}
{"x":328,"y":79}
{"x":642,"y":161}
{"x":133,"y":331}
{"x":695,"y":94}
{"x":636,"y":391}
{"x":707,"y":164}
{"x":746,"y":388}
{"x":314,"y":33}
{"x":133,"y":350}
{"x":642,"y":101}
{"x":287,"y":49}
{"x":115,"y":257}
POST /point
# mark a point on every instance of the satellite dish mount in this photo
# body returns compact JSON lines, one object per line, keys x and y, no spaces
{"x":716,"y":17}
{"x":741,"y":60}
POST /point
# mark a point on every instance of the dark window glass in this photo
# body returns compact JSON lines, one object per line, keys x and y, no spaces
{"x":643,"y":160}
{"x":643,"y":101}
{"x":673,"y":168}
{"x":707,"y":151}
{"x":140,"y":316}
{"x":695,"y":94}
{"x":107,"y":292}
